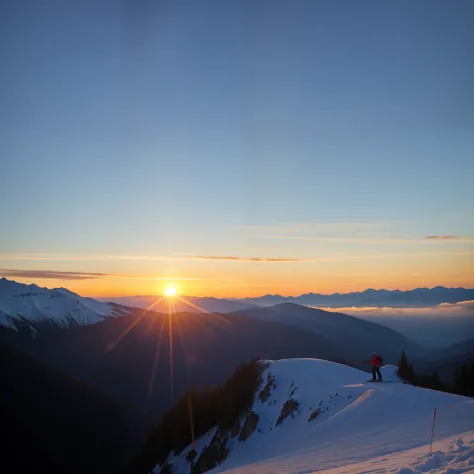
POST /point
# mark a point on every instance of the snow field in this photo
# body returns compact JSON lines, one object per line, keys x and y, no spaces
{"x":354,"y":422}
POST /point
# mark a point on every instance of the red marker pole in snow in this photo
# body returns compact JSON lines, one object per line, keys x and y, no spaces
{"x":432,"y":429}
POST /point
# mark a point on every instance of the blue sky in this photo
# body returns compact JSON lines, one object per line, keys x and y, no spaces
{"x":208,"y":128}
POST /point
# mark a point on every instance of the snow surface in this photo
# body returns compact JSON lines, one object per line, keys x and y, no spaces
{"x":454,"y":456}
{"x":36,"y":305}
{"x":361,"y":427}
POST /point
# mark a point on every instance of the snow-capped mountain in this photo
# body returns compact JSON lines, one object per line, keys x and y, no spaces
{"x":20,"y":303}
{"x":310,"y":415}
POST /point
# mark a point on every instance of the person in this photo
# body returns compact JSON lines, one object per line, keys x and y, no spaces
{"x":375,"y":361}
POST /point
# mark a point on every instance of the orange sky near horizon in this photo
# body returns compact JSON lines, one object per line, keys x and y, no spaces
{"x":235,"y":279}
{"x":289,"y":259}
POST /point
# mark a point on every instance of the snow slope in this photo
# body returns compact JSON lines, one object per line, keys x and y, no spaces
{"x":358,"y":426}
{"x":32,"y":304}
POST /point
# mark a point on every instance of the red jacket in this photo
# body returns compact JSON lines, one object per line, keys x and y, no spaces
{"x":375,"y":361}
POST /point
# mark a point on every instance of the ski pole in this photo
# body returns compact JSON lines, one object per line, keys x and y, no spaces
{"x":432,"y":429}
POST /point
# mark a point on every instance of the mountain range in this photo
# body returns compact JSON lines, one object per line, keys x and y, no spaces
{"x":357,"y":336}
{"x":193,"y":304}
{"x":146,"y":359}
{"x":445,"y":361}
{"x":419,"y":297}
{"x":29,"y":304}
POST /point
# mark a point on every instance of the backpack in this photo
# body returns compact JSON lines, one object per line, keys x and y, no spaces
{"x":380,"y":360}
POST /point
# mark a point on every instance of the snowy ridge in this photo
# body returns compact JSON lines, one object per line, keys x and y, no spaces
{"x":32,"y":304}
{"x":319,"y":416}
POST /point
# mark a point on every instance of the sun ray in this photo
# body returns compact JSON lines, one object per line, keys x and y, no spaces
{"x":155,"y":360}
{"x":152,"y":305}
{"x":199,"y":320}
{"x":191,"y":421}
{"x":180,"y":333}
{"x":203,"y":324}
{"x":134,"y":323}
{"x":170,"y":332}
{"x":149,"y":328}
{"x":202,"y":310}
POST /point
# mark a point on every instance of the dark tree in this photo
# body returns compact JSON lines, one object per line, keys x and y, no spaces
{"x":405,"y":369}
{"x":220,"y":406}
{"x":471,"y":380}
{"x":464,"y":380}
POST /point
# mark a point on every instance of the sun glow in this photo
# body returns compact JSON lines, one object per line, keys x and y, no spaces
{"x":170,"y":298}
{"x":171,"y":291}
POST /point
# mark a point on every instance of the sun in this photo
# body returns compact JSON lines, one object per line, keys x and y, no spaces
{"x":171,"y":291}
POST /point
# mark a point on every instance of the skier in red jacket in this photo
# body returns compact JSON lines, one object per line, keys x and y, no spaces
{"x":376,"y":362}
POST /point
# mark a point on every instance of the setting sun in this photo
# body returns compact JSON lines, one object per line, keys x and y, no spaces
{"x":170,"y":291}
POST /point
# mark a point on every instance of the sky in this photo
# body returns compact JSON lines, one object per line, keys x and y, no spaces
{"x":237,"y":148}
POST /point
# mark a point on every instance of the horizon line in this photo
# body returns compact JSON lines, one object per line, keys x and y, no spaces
{"x":250,"y":297}
{"x":233,"y":298}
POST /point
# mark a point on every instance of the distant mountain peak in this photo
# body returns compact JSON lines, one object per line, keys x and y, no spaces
{"x":418,"y":297}
{"x":193,"y":304}
{"x":29,"y":304}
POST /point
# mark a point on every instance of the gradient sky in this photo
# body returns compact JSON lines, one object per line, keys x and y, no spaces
{"x":237,"y":147}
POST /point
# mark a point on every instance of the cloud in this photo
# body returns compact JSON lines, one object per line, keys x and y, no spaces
{"x":162,"y":278}
{"x":77,"y":257}
{"x":461,"y":309}
{"x":356,"y":240}
{"x":461,"y":304}
{"x":247,"y":259}
{"x":370,"y":232}
{"x":52,"y":274}
{"x":319,"y":226}
{"x":190,"y":257}
{"x":175,"y":257}
{"x":394,"y":240}
{"x":449,"y":238}
{"x":71,"y":275}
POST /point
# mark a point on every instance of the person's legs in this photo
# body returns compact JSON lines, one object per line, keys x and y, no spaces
{"x":378,"y":373}
{"x":373,"y":372}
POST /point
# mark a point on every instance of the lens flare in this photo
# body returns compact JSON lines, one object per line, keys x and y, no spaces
{"x":171,"y":291}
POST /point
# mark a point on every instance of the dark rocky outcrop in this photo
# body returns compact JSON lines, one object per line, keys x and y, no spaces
{"x":250,"y":424}
{"x":213,"y":455}
{"x":267,"y":390}
{"x":288,"y":409}
{"x":314,"y":415}
{"x":191,"y":455}
{"x":235,"y":430}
